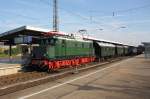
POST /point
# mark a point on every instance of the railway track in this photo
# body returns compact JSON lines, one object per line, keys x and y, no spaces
{"x":20,"y":77}
{"x":20,"y":81}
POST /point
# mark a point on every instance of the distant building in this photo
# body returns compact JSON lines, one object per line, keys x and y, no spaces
{"x":147,"y":49}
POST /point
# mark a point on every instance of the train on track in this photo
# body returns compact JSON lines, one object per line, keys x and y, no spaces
{"x":54,"y":52}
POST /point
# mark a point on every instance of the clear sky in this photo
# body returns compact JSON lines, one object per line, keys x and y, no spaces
{"x":91,"y":15}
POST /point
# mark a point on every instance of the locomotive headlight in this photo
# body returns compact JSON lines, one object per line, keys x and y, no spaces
{"x":45,"y":55}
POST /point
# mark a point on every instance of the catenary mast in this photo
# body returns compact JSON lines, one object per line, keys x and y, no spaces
{"x":55,"y":16}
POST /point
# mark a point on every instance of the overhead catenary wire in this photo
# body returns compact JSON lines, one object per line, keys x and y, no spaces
{"x":93,"y":20}
{"x":76,"y":14}
{"x":135,"y":8}
{"x":79,"y":15}
{"x":20,"y":15}
{"x":70,"y":12}
{"x":131,"y":9}
{"x":123,"y":11}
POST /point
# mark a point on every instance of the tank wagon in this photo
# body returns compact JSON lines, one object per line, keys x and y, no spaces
{"x":55,"y":52}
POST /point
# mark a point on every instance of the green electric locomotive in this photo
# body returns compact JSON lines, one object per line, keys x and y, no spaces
{"x":57,"y":52}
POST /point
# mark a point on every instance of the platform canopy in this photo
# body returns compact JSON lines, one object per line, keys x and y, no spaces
{"x":107,"y":41}
{"x":24,"y":30}
{"x":106,"y":44}
{"x":147,"y":49}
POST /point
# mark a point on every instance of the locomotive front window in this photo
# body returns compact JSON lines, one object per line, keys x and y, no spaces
{"x":52,"y":41}
{"x":38,"y":52}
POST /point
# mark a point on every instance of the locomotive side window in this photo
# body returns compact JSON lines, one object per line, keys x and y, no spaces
{"x":82,"y":45}
{"x":76,"y":45}
{"x":63,"y":43}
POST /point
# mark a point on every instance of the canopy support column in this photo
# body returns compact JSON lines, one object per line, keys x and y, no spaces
{"x":10,"y":52}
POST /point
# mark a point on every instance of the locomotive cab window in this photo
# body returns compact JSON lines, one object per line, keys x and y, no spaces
{"x":52,"y":41}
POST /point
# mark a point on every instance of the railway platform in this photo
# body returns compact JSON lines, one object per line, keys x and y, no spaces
{"x":8,"y":67}
{"x":127,"y":79}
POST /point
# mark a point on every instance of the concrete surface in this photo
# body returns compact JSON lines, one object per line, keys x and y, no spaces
{"x":8,"y":66}
{"x":7,"y":69}
{"x":128,"y":79}
{"x":14,"y":60}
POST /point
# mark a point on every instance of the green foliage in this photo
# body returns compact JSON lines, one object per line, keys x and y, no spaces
{"x":14,"y":52}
